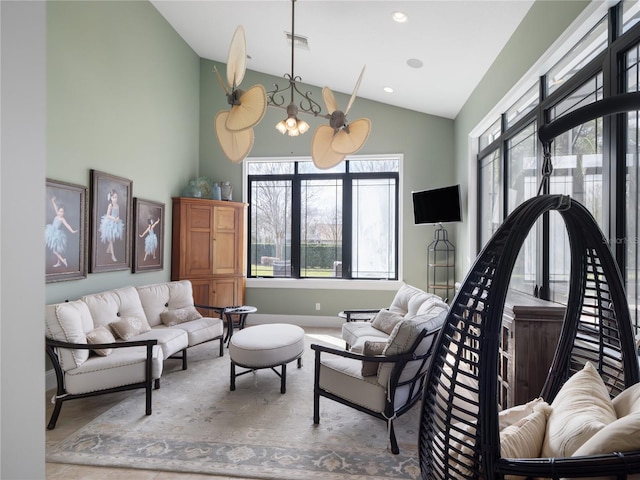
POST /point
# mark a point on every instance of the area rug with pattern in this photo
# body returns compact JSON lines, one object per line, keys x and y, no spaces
{"x":198,"y":425}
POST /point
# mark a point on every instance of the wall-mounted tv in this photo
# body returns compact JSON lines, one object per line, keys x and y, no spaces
{"x":438,"y":205}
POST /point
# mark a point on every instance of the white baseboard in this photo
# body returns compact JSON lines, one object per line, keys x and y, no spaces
{"x":253,"y":319}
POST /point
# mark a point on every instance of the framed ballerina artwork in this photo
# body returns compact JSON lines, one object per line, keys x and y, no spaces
{"x":65,"y":231}
{"x":111,"y":206}
{"x":148,"y":235}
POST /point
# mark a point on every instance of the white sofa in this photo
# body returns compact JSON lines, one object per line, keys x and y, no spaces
{"x":118,"y":339}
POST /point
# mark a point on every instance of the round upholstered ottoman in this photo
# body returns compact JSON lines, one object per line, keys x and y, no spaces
{"x":266,"y":346}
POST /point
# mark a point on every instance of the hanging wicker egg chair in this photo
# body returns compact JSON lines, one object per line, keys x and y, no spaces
{"x":459,"y":426}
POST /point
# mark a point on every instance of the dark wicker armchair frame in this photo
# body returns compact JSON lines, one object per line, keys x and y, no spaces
{"x":62,"y":395}
{"x":416,"y":382}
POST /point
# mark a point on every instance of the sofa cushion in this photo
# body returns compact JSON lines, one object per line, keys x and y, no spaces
{"x":405,"y":297}
{"x":179,"y":315}
{"x":161,"y":297}
{"x":581,"y":408}
{"x":130,"y":326}
{"x":622,"y":435}
{"x":171,"y":339}
{"x":200,"y":330}
{"x":386,"y":320}
{"x":69,"y":322}
{"x":125,"y":366}
{"x":113,"y":305}
{"x":372,"y":348}
{"x":101,"y":334}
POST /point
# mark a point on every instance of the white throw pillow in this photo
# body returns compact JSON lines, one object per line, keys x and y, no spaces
{"x":179,"y":315}
{"x":524,"y":438}
{"x":101,"y":334}
{"x":385,"y":321}
{"x":128,"y":327}
{"x":580,"y":410}
{"x":516,"y":413}
{"x":622,"y":435}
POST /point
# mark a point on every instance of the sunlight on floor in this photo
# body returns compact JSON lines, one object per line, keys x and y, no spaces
{"x":327,"y":339}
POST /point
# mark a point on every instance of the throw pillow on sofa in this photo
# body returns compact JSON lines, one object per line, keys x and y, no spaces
{"x":128,"y":327}
{"x":385,"y":321}
{"x":179,"y":315}
{"x":101,"y":334}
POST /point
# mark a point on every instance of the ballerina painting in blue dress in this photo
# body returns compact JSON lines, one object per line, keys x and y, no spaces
{"x":54,"y":235}
{"x":111,"y":225}
{"x":151,"y":242}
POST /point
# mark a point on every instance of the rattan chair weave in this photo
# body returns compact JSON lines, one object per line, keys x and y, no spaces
{"x":460,"y":398}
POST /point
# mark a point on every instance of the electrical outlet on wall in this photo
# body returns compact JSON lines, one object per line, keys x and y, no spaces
{"x":317,"y":306}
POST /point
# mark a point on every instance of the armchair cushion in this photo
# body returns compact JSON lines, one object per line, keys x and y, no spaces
{"x":385,"y":320}
{"x":180,"y":315}
{"x":101,"y":334}
{"x":371,"y":348}
{"x":353,"y":331}
{"x":343,"y":377}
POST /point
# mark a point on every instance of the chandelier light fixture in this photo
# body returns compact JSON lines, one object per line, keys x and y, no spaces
{"x":292,"y":125}
{"x":234,"y":127}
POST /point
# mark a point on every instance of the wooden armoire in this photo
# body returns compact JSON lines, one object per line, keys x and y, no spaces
{"x":208,"y":248}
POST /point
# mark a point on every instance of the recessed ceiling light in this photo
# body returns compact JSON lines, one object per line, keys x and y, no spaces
{"x":388,"y":89}
{"x":415,"y":63}
{"x":399,"y":17}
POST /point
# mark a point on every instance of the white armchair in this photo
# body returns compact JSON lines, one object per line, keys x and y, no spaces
{"x":381,"y":376}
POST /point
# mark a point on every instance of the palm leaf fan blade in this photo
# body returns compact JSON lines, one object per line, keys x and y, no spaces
{"x":237,"y":58}
{"x":252,"y":107}
{"x":329,"y":100}
{"x":347,"y":143}
{"x":235,"y":145}
{"x":321,"y":153}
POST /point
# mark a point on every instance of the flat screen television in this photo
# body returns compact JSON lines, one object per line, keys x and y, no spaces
{"x":438,"y":205}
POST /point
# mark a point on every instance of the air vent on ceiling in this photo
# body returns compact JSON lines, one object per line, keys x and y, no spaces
{"x":298,"y":41}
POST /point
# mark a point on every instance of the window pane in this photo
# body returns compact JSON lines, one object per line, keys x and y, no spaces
{"x":630,"y":14}
{"x":270,"y":228}
{"x":374,"y":228}
{"x":358,"y":166}
{"x":588,"y":93}
{"x":524,"y":105}
{"x":523,"y":184}
{"x":591,"y":45}
{"x":321,"y":228}
{"x":490,"y":135}
{"x":577,"y":171}
{"x":632,"y":188}
{"x":490,"y":197}
{"x":270,"y":168}
{"x":309,"y":167}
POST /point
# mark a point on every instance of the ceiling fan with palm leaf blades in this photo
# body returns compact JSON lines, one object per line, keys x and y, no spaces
{"x":332,"y":143}
{"x":234,"y":128}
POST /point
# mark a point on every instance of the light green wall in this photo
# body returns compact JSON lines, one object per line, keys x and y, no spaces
{"x":543,"y":24}
{"x":425,"y":141}
{"x":123,"y":98}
